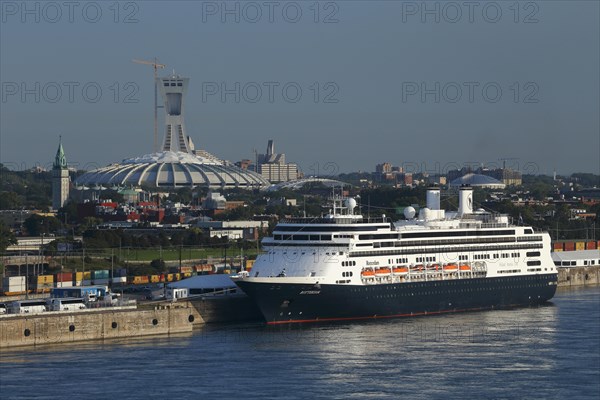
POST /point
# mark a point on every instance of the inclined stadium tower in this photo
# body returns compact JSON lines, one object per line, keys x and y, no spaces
{"x":178,"y":164}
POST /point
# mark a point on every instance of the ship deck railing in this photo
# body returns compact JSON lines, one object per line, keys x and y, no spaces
{"x":424,"y":276}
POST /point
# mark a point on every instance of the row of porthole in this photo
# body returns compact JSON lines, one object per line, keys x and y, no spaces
{"x":114,"y":325}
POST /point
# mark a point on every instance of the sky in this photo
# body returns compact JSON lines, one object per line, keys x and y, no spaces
{"x":339,"y":85}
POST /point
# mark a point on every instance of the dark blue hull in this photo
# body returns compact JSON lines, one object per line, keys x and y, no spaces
{"x":285,"y":302}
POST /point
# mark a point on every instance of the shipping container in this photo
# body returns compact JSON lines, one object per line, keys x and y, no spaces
{"x":100,"y":274}
{"x":154,"y":278}
{"x":250,"y":263}
{"x":138,"y":280}
{"x":187,"y":275}
{"x":41,"y":279}
{"x":569,"y":246}
{"x":101,"y":281}
{"x":13,"y":280}
{"x":184,"y":269}
{"x":591,"y":246}
{"x":87,"y":275}
{"x":580,"y":246}
{"x":119,"y":279}
{"x":121,"y":272}
{"x":558,"y":246}
{"x":14,"y":285}
{"x":63,"y":284}
{"x":63,"y":277}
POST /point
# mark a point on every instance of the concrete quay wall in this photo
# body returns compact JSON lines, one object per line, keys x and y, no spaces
{"x":579,"y":276}
{"x":66,"y":327}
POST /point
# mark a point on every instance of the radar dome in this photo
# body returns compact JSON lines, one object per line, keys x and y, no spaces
{"x":350,"y":203}
{"x":409,"y":212}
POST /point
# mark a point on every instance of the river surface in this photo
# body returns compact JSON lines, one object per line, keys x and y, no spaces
{"x":548,"y":352}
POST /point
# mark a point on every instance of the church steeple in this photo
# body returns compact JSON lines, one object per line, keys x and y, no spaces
{"x":60,"y":161}
{"x":60,"y":178}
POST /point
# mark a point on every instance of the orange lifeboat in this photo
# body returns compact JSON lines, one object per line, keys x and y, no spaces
{"x":451,"y":267}
{"x":368,"y":273}
{"x":400,"y":271}
{"x":383,"y":271}
{"x":418,"y":267}
{"x":465,"y":268}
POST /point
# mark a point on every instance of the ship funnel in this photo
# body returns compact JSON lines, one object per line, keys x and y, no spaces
{"x":433,"y":198}
{"x":465,"y":200}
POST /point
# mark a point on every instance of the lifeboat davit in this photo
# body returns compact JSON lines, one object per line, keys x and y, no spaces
{"x":451,"y":267}
{"x":367,"y":273}
{"x":384,"y":271}
{"x":400,"y":271}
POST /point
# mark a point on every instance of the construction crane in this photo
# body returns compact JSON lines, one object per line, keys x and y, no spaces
{"x":156,"y":66}
{"x":504,"y":160}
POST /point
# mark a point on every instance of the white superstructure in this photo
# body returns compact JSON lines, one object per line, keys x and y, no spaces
{"x":345,"y":248}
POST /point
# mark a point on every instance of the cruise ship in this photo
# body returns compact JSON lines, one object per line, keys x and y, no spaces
{"x":343,"y":266}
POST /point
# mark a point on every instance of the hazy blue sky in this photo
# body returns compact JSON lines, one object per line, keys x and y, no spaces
{"x":393,"y":83}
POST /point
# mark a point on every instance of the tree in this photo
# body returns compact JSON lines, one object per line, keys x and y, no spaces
{"x":37,"y":225}
{"x":7,"y":237}
{"x":10,"y":201}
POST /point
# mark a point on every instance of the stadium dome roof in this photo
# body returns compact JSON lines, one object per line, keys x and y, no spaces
{"x":170,"y":169}
{"x":478,"y":180}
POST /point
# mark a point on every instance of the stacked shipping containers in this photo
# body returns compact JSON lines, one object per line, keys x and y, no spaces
{"x":575,"y":245}
{"x":41,"y":283}
{"x":100,"y":277}
{"x":63,"y":279}
{"x":14,"y":285}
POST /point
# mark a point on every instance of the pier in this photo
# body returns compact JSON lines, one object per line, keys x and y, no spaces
{"x":97,"y":324}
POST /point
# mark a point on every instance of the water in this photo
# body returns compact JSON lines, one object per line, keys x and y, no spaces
{"x":549,"y":352}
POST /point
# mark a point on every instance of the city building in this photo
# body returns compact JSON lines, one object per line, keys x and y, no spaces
{"x":60,"y":178}
{"x":504,"y":175}
{"x":384,"y":168}
{"x":248,"y":230}
{"x":179,"y":163}
{"x":272,"y":166}
{"x":215,"y":203}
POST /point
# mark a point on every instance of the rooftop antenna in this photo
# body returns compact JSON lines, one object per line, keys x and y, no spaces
{"x":156,"y":66}
{"x":334,"y":201}
{"x":504,"y":160}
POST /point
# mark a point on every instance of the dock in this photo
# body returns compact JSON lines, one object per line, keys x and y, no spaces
{"x":165,"y":317}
